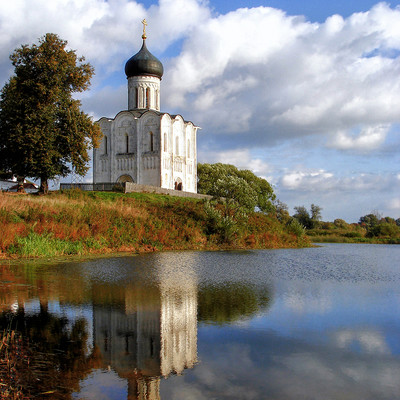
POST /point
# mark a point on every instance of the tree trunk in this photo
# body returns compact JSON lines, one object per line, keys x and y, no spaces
{"x":44,"y":186}
{"x":20,"y":183}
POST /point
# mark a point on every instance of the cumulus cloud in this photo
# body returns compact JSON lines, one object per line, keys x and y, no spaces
{"x":372,"y":342}
{"x":369,"y":138}
{"x":301,"y":302}
{"x":105,"y":32}
{"x":273,"y":76}
{"x":242,"y":159}
{"x":321,"y":180}
{"x":394,"y":204}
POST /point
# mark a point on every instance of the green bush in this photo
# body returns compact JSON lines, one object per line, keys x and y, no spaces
{"x":295,"y":227}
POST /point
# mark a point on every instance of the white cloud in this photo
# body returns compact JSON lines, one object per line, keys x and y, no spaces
{"x":105,"y":32}
{"x":327,"y":182}
{"x":300,"y":302}
{"x":308,"y":180}
{"x":394,"y":205}
{"x":305,"y":78}
{"x":371,"y":342}
{"x":242,"y":159}
{"x":369,"y":138}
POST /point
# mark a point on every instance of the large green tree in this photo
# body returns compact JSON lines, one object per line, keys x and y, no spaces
{"x":43,"y":132}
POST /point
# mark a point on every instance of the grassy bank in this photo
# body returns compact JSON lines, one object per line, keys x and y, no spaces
{"x":76,"y":222}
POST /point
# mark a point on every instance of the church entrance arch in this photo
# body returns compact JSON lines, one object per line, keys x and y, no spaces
{"x":178,"y":184}
{"x":124,"y":178}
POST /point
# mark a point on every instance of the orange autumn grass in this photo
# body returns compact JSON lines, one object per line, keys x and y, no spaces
{"x":76,"y":222}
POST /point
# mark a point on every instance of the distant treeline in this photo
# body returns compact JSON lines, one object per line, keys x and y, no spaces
{"x":371,"y":228}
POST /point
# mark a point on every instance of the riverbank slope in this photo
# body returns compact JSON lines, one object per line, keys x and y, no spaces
{"x":77,"y":222}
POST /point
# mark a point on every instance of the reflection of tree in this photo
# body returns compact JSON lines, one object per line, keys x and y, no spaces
{"x":51,"y":357}
{"x":22,"y":283}
{"x":230,"y":302}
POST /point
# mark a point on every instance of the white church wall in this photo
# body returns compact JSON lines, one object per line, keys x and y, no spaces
{"x":102,"y":155}
{"x":190,"y":137}
{"x":124,"y":160}
{"x":166,"y":153}
{"x":149,"y":149}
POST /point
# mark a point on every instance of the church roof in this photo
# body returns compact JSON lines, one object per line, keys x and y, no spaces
{"x":144,"y":63}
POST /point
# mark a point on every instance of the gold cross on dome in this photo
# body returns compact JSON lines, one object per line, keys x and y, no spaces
{"x":144,"y":22}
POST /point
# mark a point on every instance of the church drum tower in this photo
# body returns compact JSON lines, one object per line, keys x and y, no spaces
{"x":142,"y":144}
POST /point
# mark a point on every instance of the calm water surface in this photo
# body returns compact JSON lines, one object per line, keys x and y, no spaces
{"x":319,"y":323}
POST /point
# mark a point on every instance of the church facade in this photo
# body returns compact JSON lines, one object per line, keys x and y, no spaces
{"x":142,"y":144}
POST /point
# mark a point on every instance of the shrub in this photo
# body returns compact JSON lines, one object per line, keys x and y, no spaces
{"x":295,"y":227}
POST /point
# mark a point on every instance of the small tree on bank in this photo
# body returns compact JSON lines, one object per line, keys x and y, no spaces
{"x":238,"y":192}
{"x":43,"y":132}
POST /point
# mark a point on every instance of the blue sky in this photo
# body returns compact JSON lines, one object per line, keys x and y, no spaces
{"x":304,"y":93}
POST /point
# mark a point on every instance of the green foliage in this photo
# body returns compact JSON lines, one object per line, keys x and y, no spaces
{"x":309,"y":221}
{"x":240,"y":188}
{"x":340,"y":223}
{"x":315,"y":214}
{"x":353,"y":234}
{"x":303,"y":217}
{"x":372,"y":228}
{"x":230,"y":302}
{"x":35,"y":245}
{"x":295,"y":227}
{"x":43,"y":132}
{"x":370,"y":221}
{"x":282,"y":212}
{"x":238,"y":193}
{"x":378,"y":227}
{"x":225,"y":226}
{"x":384,"y":229}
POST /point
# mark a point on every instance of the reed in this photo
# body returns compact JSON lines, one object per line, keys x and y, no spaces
{"x":11,"y":354}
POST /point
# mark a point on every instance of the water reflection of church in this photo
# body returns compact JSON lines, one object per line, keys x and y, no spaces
{"x":149,"y":334}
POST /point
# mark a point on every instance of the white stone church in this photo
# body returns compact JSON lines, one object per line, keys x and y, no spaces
{"x":142,"y":144}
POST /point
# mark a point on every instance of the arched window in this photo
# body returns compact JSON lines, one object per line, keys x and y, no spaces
{"x":142,"y":98}
{"x":151,"y":141}
{"x":147,"y":97}
{"x":137,"y":97}
{"x":188,"y":148}
{"x":105,"y":145}
{"x":126,"y":143}
{"x":165,"y":142}
{"x":177,"y":146}
{"x":178,"y":185}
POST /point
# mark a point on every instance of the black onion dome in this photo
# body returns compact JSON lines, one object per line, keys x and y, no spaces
{"x":144,"y":63}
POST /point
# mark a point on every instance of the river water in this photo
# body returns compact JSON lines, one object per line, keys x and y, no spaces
{"x":315,"y":323}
